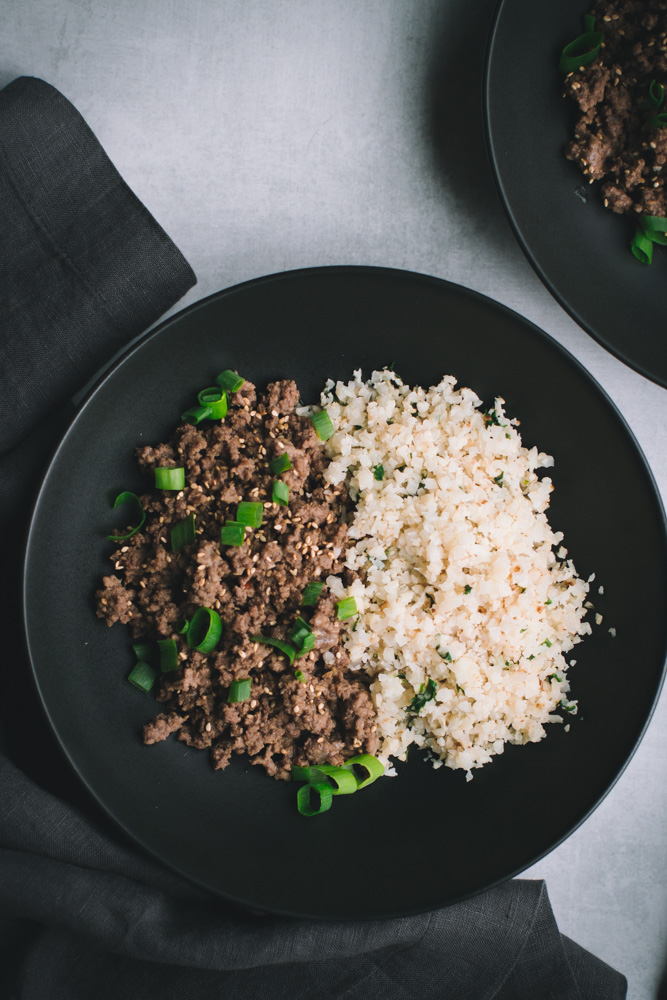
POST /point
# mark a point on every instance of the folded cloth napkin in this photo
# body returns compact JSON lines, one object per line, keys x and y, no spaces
{"x":83,"y":912}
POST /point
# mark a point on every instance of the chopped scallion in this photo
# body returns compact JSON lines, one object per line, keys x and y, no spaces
{"x":378,"y":472}
{"x":313,"y":799}
{"x":143,"y":676}
{"x":346,"y":608}
{"x":280,"y":493}
{"x":204,"y":630}
{"x":170,"y":479}
{"x":280,"y":464}
{"x":365,"y":768}
{"x":196,"y":414}
{"x":232,"y":533}
{"x":467,"y":588}
{"x":168,"y":650}
{"x":144,"y":651}
{"x":311,"y":594}
{"x":323,"y":425}
{"x":129,"y":498}
{"x":239,"y":690}
{"x":285,"y":647}
{"x":183,"y":533}
{"x":300,"y":676}
{"x":423,"y":696}
{"x":229,"y":380}
{"x":181,"y":626}
{"x":250,"y":513}
{"x":215,"y":399}
{"x":582,"y":51}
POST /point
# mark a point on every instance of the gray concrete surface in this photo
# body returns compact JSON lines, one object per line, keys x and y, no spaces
{"x":273,"y":134}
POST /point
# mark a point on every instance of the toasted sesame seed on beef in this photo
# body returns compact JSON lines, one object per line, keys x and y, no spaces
{"x":314,"y":711}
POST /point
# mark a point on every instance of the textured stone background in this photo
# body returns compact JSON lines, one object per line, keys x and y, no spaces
{"x":273,"y":134}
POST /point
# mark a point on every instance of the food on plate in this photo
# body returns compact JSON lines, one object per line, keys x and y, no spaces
{"x":253,"y":577}
{"x":620,"y":137}
{"x":323,"y":588}
{"x":468,"y":603}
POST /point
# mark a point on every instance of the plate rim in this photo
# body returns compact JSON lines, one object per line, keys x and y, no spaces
{"x":108,"y":371}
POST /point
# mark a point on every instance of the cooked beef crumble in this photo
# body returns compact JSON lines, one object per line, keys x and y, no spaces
{"x":612,"y":141}
{"x":256,"y":588}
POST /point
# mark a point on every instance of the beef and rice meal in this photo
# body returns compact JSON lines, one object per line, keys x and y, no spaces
{"x":620,"y":138}
{"x":325,"y":585}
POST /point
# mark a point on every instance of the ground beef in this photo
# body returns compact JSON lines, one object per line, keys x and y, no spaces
{"x":313,"y":712}
{"x":613,"y":142}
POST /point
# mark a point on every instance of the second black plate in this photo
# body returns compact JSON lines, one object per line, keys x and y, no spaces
{"x":579,"y":249}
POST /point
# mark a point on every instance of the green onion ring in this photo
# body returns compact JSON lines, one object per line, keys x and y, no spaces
{"x":229,"y":380}
{"x":580,"y":52}
{"x":346,"y":608}
{"x":123,"y":498}
{"x":196,"y":414}
{"x":367,"y":764}
{"x":280,"y":493}
{"x":143,"y":676}
{"x":232,"y":533}
{"x":323,"y":793}
{"x":183,"y":533}
{"x":239,"y":690}
{"x":170,"y":478}
{"x":642,"y":247}
{"x":182,"y":625}
{"x":658,"y":121}
{"x":285,"y":647}
{"x":251,"y":513}
{"x":323,"y":425}
{"x":215,"y":399}
{"x":144,"y":651}
{"x":204,"y":630}
{"x":168,"y":650}
{"x":311,"y":594}
{"x":654,"y":228}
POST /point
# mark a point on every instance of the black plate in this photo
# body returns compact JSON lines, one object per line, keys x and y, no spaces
{"x":427,"y":837}
{"x":579,"y":249}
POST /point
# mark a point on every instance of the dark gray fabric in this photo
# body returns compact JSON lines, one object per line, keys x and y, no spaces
{"x":86,"y":914}
{"x":83,"y":264}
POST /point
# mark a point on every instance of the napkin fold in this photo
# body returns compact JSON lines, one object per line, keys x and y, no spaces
{"x":85,"y":266}
{"x":83,"y":911}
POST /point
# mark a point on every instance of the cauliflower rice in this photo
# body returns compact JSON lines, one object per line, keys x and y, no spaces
{"x":468,"y":604}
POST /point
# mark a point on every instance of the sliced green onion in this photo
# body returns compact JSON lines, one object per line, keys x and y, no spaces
{"x":285,"y":647}
{"x":300,"y":676}
{"x":196,"y":414}
{"x":183,"y":533}
{"x":580,"y":52}
{"x":365,"y":768}
{"x":215,"y":399}
{"x":307,"y":644}
{"x":204,"y":630}
{"x":129,"y":498}
{"x":346,"y":608}
{"x":378,"y":472}
{"x":144,"y":651}
{"x":423,"y":696}
{"x":280,"y":464}
{"x":280,"y":492}
{"x":313,"y":799}
{"x":168,"y":649}
{"x":239,"y":690}
{"x":342,"y":779}
{"x":229,"y":380}
{"x":323,"y":425}
{"x":656,"y":95}
{"x":170,"y":479}
{"x":654,"y":228}
{"x":232,"y":533}
{"x":250,"y":513}
{"x":142,"y":675}
{"x":182,"y":625}
{"x":642,"y":247}
{"x":311,"y":594}
{"x":299,"y":630}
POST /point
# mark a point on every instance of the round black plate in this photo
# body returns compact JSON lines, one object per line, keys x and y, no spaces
{"x":579,"y":249}
{"x":427,"y":837}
